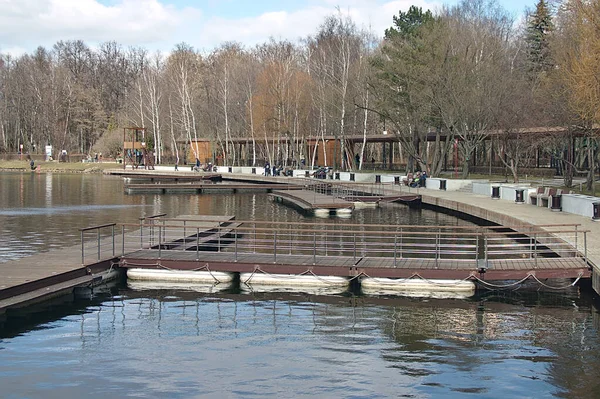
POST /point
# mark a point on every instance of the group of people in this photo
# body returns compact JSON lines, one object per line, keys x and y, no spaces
{"x":417,"y":180}
{"x":277,"y":170}
{"x":197,"y":167}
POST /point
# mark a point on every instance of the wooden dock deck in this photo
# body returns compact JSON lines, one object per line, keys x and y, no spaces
{"x":446,"y":252}
{"x":309,"y":201}
{"x":348,"y":266}
{"x":49,"y":274}
{"x":158,"y":176}
{"x":204,"y":188}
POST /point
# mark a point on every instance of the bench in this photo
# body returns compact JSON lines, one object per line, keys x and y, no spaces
{"x":534,"y":197}
{"x":547,"y":197}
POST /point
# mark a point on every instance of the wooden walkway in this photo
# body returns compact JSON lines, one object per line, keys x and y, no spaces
{"x":203,"y":188}
{"x":309,"y":201}
{"x":158,"y":176}
{"x":45,"y":275}
{"x":348,"y":266}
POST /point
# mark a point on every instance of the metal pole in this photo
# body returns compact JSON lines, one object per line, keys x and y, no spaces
{"x":197,"y":243}
{"x":531,"y":244}
{"x":354,"y":248}
{"x":477,"y":248}
{"x":437,"y":248}
{"x":113,"y":239}
{"x":585,"y":246}
{"x":485,"y":250}
{"x":82,"y":249}
{"x":159,"y":240}
{"x":395,"y":243}
{"x":141,"y":233}
{"x":98,"y":230}
{"x":314,"y":247}
{"x":236,"y":243}
{"x":184,"y":234}
{"x":401,"y":240}
{"x":535,"y":248}
{"x":275,"y":246}
{"x":123,"y":240}
{"x":576,"y":236}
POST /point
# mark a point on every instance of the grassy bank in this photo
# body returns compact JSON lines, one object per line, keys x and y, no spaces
{"x":55,"y":166}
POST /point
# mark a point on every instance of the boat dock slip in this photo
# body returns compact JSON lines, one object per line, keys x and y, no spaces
{"x":309,"y":201}
{"x":203,"y":188}
{"x":478,"y":253}
{"x":158,"y":176}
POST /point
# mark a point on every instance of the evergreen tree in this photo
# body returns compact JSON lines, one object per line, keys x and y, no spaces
{"x":407,"y":23}
{"x":539,"y":28}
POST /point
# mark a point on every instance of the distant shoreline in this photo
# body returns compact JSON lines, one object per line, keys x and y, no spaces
{"x":62,"y":167}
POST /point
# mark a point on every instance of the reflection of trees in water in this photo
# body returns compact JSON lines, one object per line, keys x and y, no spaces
{"x":554,"y":337}
{"x":549,"y":329}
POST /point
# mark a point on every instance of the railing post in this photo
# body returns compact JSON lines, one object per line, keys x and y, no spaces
{"x":395,"y":243}
{"x":275,"y":246}
{"x":184,"y":235}
{"x":485,"y":250}
{"x":535,"y":248}
{"x":98,"y":230}
{"x":218,"y":238}
{"x":576,"y":237}
{"x":585,"y":246}
{"x":236,"y":245}
{"x":354,"y":250}
{"x":531,"y":244}
{"x":82,"y":249}
{"x":159,"y":240}
{"x":437,"y":248}
{"x":401,"y":241}
{"x":123,"y":240}
{"x":141,"y":233}
{"x":197,"y":244}
{"x":113,"y":239}
{"x":314,"y":247}
{"x":477,"y":248}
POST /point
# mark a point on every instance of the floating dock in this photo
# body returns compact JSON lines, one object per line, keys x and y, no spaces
{"x":312,"y":202}
{"x":205,"y":188}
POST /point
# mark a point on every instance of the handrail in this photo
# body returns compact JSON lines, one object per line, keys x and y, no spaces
{"x":318,"y":223}
{"x":159,"y":215}
{"x":432,"y":229}
{"x":97,"y":227}
{"x":478,"y":244}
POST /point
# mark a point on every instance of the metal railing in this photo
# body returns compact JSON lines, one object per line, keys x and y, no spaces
{"x":278,"y":239}
{"x":103,"y":241}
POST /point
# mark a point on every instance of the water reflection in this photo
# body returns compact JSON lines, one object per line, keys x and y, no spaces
{"x":245,"y":345}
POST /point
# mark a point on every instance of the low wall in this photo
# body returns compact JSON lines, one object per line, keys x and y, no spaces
{"x":579,"y":204}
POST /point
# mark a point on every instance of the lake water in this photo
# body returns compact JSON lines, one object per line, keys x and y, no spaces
{"x":185,"y":344}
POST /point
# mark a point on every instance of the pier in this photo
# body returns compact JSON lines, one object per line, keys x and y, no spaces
{"x":525,"y":247}
{"x":204,"y":188}
{"x":348,"y":250}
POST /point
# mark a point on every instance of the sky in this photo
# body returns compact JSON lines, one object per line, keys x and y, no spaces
{"x":158,"y":25}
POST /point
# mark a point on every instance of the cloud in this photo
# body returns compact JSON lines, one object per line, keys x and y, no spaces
{"x":156,"y":25}
{"x":292,"y":25}
{"x":28,"y":23}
